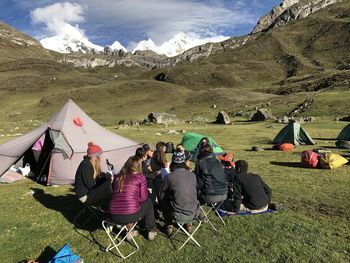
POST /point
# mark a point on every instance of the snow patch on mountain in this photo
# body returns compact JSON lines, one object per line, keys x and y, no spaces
{"x":178,"y":44}
{"x":117,"y":46}
{"x":74,"y":40}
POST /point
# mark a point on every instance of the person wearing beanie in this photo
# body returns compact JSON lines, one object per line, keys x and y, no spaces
{"x":92,"y":186}
{"x":178,"y":193}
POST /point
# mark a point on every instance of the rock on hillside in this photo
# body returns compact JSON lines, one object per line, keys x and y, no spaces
{"x":290,"y":10}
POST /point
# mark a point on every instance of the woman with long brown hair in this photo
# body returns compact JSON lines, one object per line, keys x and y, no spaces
{"x":92,"y":186}
{"x":158,"y":162}
{"x":130,"y":201}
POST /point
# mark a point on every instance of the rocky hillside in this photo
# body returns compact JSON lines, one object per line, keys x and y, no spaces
{"x":288,"y":11}
{"x":16,"y":45}
{"x":280,"y":67}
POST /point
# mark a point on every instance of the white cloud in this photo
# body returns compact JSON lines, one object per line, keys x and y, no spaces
{"x":135,"y":20}
{"x":162,"y":19}
{"x":59,"y":17}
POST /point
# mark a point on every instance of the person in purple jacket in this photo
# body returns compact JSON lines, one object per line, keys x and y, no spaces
{"x":130,"y":201}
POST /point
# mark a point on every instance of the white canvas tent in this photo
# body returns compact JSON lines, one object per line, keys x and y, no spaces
{"x":67,"y":134}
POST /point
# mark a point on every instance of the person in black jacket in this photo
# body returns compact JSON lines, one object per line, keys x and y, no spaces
{"x":211,"y":178}
{"x":92,"y":187}
{"x":251,"y":193}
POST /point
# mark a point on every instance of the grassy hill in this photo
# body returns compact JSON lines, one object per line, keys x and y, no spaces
{"x":305,"y":59}
{"x":282,"y":66}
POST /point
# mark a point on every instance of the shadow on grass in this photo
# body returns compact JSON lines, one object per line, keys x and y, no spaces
{"x":288,"y":164}
{"x":44,"y":257}
{"x":325,"y":139}
{"x":329,"y":147}
{"x":69,"y":206}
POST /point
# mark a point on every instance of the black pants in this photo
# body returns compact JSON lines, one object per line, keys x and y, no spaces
{"x":167,"y":212}
{"x":101,"y":193}
{"x":145,"y":212}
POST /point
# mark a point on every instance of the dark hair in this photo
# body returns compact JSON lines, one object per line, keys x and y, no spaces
{"x":159,"y":154}
{"x":174,"y":166}
{"x":146,"y":147}
{"x":140,"y":153}
{"x":241,"y":166}
{"x":160,"y":144}
{"x":132,"y":165}
{"x":201,"y":141}
{"x":204,"y":150}
{"x":169,"y":147}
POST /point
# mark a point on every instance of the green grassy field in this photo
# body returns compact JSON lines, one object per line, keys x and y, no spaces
{"x":281,"y":67}
{"x":314,"y":228}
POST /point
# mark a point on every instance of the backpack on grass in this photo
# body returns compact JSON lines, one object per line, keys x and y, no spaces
{"x":309,"y":159}
{"x":332,"y":161}
{"x":283,"y":147}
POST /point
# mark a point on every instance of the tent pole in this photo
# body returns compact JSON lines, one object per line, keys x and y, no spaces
{"x":42,"y":169}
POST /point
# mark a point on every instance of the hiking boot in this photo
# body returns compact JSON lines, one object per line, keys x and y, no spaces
{"x":188,"y":228}
{"x":201,"y":217}
{"x":169,"y":231}
{"x":152,"y":234}
{"x":132,"y":234}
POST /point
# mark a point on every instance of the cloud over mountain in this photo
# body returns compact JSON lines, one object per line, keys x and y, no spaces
{"x":130,"y":21}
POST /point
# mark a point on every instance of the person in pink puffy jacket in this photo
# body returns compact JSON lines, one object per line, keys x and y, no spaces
{"x":130,"y":201}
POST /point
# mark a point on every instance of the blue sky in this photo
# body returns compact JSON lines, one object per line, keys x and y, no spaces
{"x":130,"y":21}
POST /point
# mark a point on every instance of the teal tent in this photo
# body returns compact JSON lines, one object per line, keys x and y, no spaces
{"x":191,"y":140}
{"x":293,"y":133}
{"x":345,"y":133}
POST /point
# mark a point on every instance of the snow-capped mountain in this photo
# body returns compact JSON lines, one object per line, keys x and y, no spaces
{"x":117,"y":46}
{"x":146,"y":45}
{"x":178,"y":44}
{"x":68,"y":44}
{"x":79,"y":43}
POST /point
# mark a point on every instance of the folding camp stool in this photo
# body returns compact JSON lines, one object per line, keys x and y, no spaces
{"x":213,"y":207}
{"x":87,"y":209}
{"x":108,"y":227}
{"x":189,"y":235}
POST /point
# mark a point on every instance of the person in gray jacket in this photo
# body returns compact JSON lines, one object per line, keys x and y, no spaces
{"x":178,"y":194}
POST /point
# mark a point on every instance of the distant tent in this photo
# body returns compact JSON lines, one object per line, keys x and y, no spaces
{"x":345,"y":133}
{"x":293,"y":133}
{"x":67,"y":134}
{"x":191,"y":140}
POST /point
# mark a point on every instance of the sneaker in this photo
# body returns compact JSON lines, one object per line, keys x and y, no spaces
{"x":152,"y":234}
{"x":276,"y":207}
{"x":109,"y":228}
{"x":169,"y":231}
{"x":188,"y":227}
{"x":132,"y":234}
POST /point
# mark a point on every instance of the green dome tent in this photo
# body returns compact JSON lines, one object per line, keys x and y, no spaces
{"x":293,"y":133}
{"x":345,"y":133}
{"x":191,"y":140}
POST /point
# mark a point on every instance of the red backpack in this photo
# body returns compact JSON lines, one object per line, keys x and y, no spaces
{"x":309,"y":159}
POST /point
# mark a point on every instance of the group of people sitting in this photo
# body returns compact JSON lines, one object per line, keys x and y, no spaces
{"x":148,"y":186}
